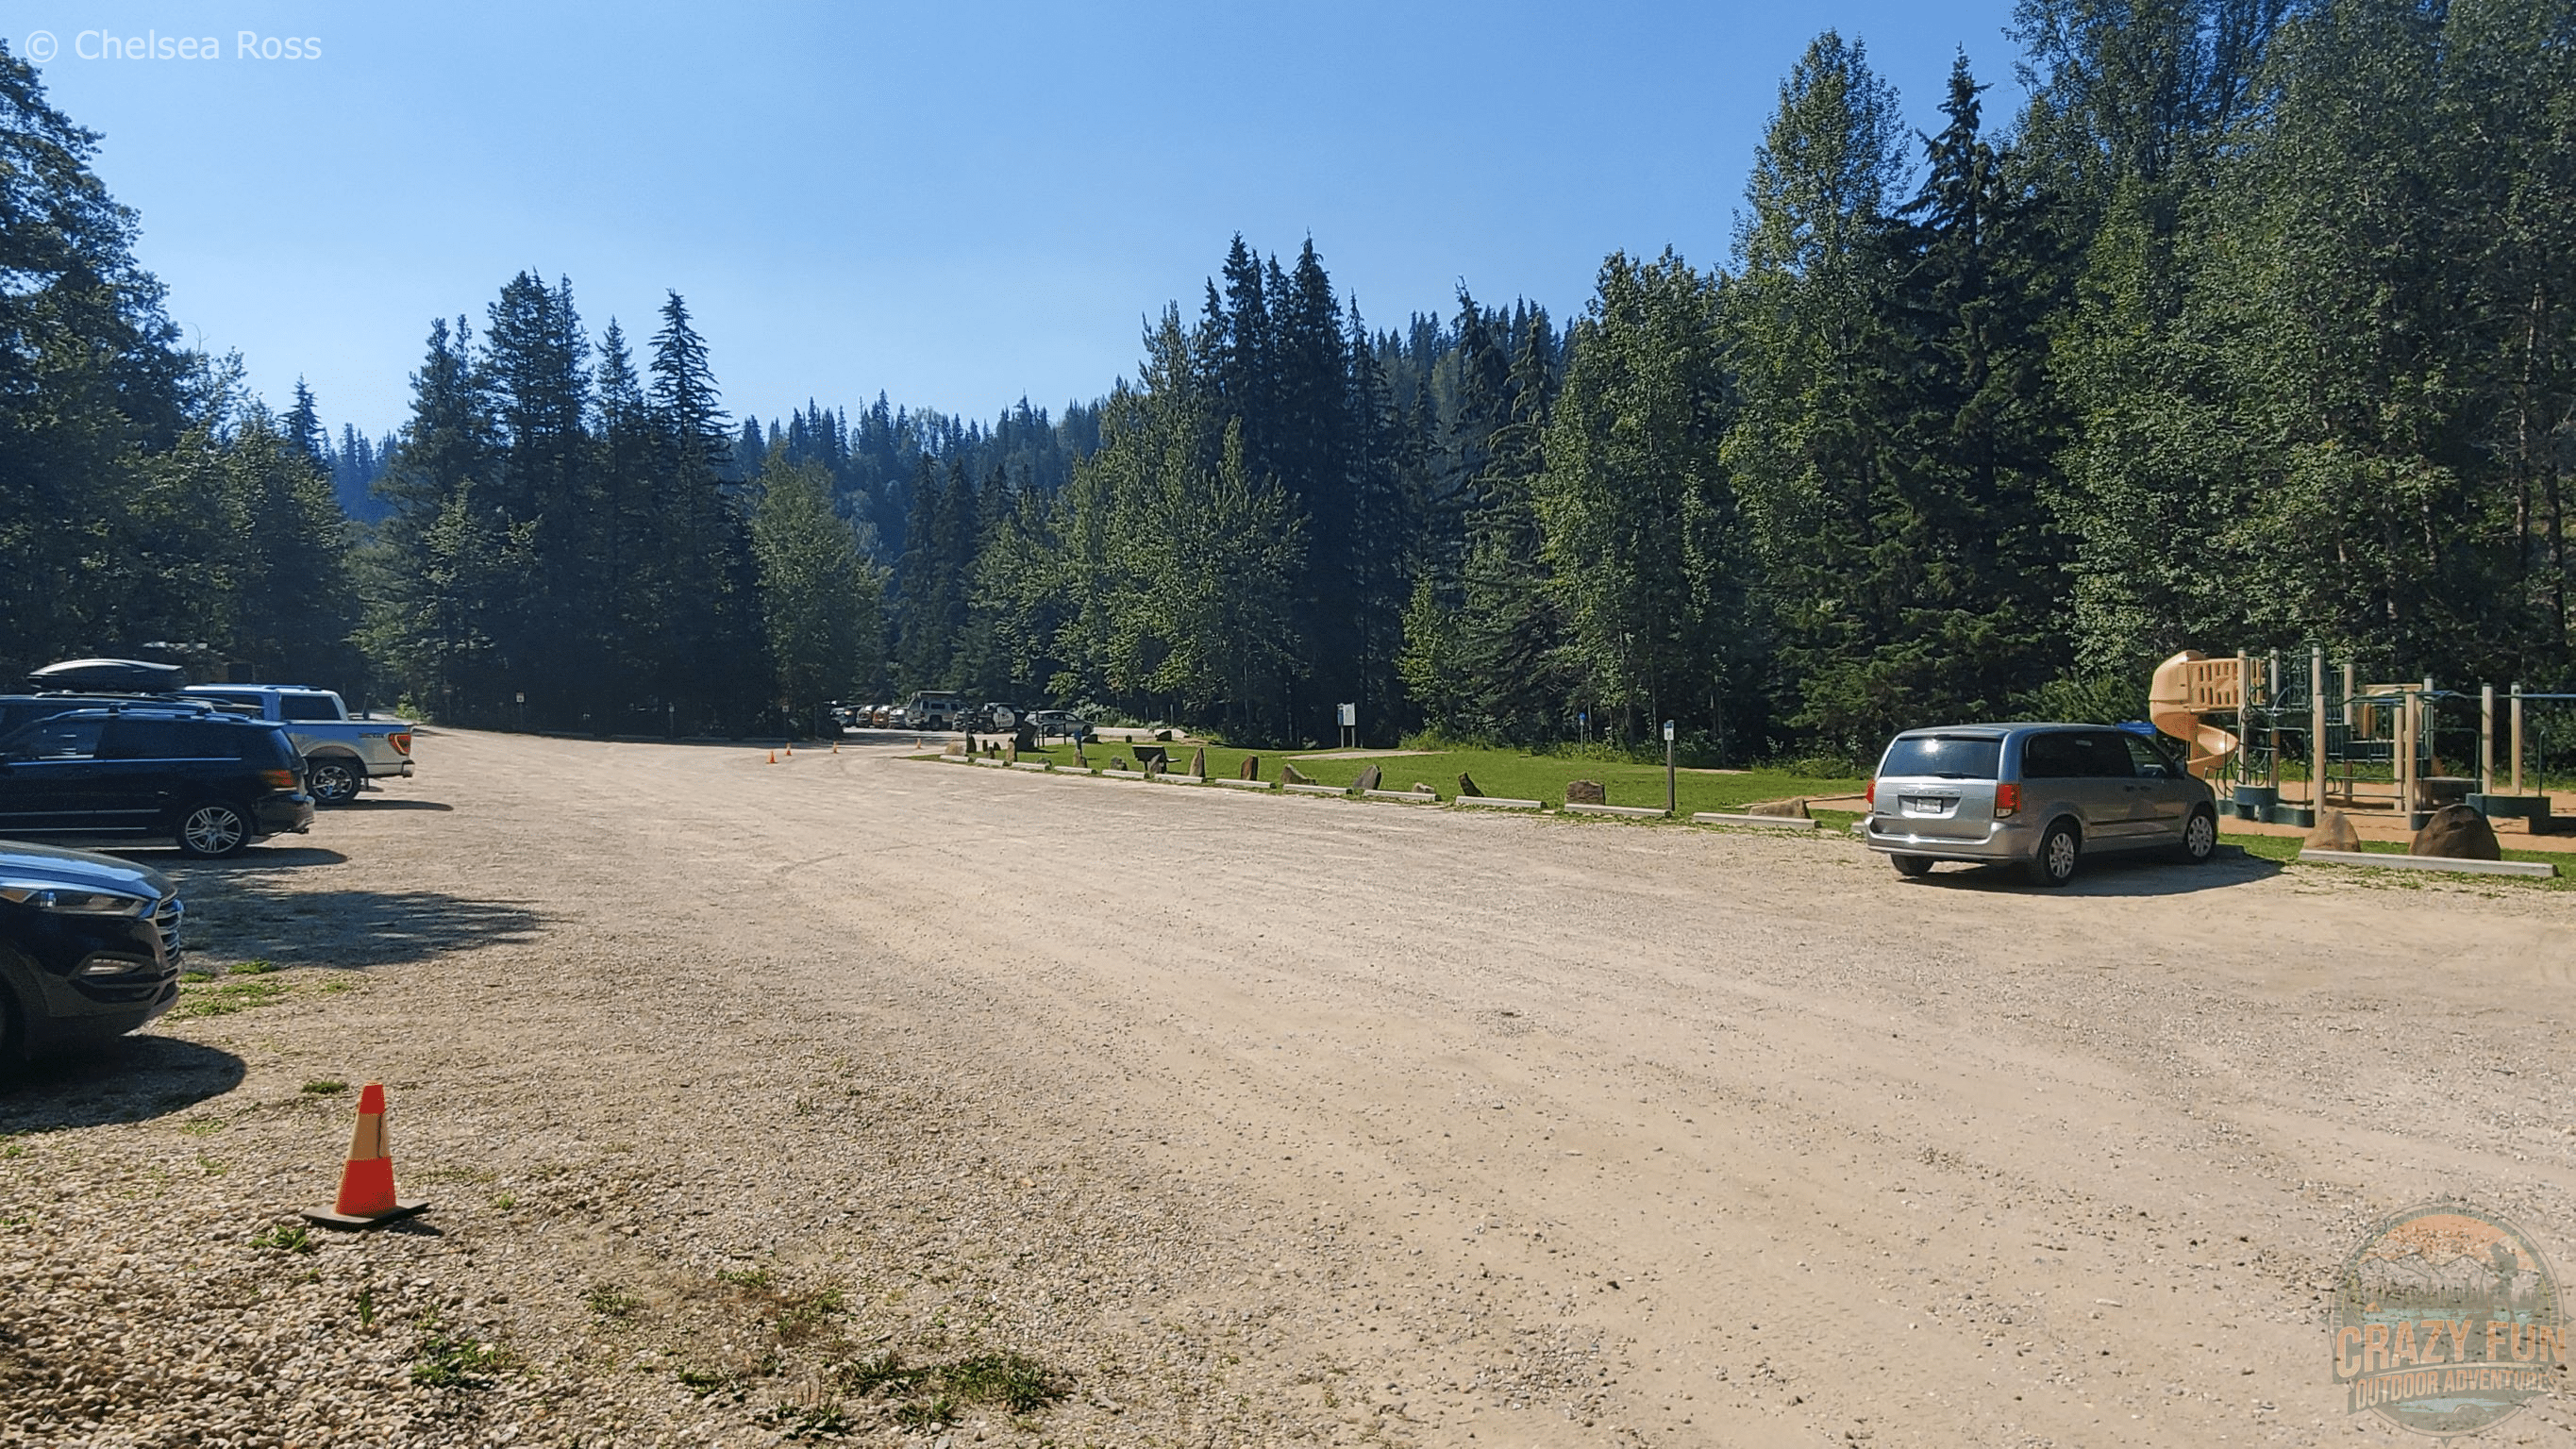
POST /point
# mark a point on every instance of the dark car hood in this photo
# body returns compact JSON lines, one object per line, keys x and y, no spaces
{"x":80,"y":868}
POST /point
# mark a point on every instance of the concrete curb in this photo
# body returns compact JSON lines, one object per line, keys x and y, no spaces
{"x":1336,"y":791}
{"x":1179,"y":779}
{"x":2529,"y":868}
{"x":1627,"y":812}
{"x":1761,"y":822}
{"x":1407,"y":796}
{"x":1499,"y":802}
{"x":1031,"y":765}
{"x":1126,"y":774}
{"x":991,"y":764}
{"x":1242,"y":784}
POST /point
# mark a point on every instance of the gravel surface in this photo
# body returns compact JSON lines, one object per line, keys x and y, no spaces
{"x":863,"y":1099}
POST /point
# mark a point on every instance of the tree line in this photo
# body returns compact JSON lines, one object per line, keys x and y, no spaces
{"x":2251,"y":329}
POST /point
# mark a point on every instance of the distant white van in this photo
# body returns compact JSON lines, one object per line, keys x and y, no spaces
{"x":934,"y":709}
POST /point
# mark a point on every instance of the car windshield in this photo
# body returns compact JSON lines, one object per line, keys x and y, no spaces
{"x":1945,"y":757}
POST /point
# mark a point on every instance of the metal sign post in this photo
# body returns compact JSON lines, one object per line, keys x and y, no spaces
{"x":1668,"y":767}
{"x":1348,"y":716}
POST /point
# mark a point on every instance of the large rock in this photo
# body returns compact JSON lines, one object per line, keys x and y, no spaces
{"x":1198,"y":763}
{"x":2333,"y":831}
{"x":1794,"y":808}
{"x":2457,"y":832}
{"x":1250,"y":769}
{"x":1467,"y":787}
{"x":1585,"y":792}
{"x":1289,"y":774}
{"x":953,"y":747}
{"x":1369,"y":778}
{"x":1419,"y":788}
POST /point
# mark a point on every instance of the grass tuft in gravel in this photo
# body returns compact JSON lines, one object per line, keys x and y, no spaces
{"x":223,"y":1000}
{"x":1014,"y":1381}
{"x":824,"y":1420}
{"x":451,"y":1361}
{"x":285,"y":1238}
{"x":256,"y":966}
{"x":326,"y":1088}
{"x":608,"y":1301}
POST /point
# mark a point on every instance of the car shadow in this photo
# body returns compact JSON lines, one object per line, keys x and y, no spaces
{"x":362,"y":803}
{"x":127,"y":1079}
{"x":244,"y":918}
{"x":180,"y":865}
{"x":2141,"y":874}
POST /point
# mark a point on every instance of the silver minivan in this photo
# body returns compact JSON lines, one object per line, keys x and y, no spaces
{"x":2038,"y":795}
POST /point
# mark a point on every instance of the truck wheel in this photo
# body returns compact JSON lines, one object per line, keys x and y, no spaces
{"x":213,"y":830}
{"x":2054,"y":865}
{"x":334,"y":780}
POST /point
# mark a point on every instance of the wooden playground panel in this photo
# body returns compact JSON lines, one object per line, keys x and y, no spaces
{"x":2285,"y":747}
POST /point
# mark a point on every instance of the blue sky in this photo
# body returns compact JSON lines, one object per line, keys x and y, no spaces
{"x":955,"y":203}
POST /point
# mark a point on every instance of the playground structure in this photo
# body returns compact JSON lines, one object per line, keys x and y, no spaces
{"x":2333,"y":741}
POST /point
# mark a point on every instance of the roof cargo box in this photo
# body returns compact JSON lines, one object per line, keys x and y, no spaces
{"x":117,"y":676}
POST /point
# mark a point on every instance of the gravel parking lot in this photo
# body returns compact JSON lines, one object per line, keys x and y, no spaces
{"x":861,"y":1097}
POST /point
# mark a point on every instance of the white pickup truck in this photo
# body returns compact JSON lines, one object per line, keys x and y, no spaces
{"x":341,"y":751}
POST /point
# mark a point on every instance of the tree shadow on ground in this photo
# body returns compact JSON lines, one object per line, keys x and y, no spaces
{"x":2125,"y":874}
{"x":126,"y":1079}
{"x":243,"y":919}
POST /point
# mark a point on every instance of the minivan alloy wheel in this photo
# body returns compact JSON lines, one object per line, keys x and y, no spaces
{"x":2200,"y":837}
{"x":2058,"y":852}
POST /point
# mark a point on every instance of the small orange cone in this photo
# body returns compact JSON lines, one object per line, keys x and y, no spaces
{"x":367,"y":1183}
{"x":791,"y":752}
{"x":773,"y":757}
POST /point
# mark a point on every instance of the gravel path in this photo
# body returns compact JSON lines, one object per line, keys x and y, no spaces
{"x":856,"y":1098}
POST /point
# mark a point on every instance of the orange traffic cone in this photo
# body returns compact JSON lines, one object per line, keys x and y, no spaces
{"x":791,"y":752}
{"x":367,"y":1183}
{"x":773,"y":757}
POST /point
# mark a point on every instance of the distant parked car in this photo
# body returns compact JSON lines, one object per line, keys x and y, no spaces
{"x":1060,"y":724}
{"x":341,"y":751}
{"x":2041,"y":796}
{"x":993,"y":719}
{"x":208,"y":783}
{"x":934,"y":709}
{"x":89,"y":947}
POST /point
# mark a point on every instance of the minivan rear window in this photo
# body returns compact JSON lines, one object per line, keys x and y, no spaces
{"x":1948,"y":757}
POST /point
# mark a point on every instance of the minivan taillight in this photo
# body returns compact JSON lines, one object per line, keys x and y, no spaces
{"x":280,"y":779}
{"x":1870,"y":795}
{"x":2007,"y":799}
{"x":400,"y":741}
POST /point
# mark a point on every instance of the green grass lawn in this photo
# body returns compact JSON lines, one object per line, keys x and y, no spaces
{"x":1503,"y":772}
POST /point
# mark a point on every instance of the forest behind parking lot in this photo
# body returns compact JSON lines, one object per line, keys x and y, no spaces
{"x":2254,"y":327}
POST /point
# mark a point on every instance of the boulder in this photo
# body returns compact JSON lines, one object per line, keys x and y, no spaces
{"x":953,"y":747}
{"x":1467,"y":787}
{"x":1794,"y":808}
{"x":1289,"y":774}
{"x":2333,"y":831}
{"x":2457,"y":832}
{"x":1585,"y":792}
{"x":1198,"y":763}
{"x":1118,"y":762}
{"x":1420,"y":788}
{"x":1250,"y":769}
{"x":1369,"y":779}
{"x":1011,"y":753}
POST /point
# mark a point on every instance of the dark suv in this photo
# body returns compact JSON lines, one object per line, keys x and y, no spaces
{"x":209,"y":783}
{"x":17,"y":711}
{"x":89,"y":948}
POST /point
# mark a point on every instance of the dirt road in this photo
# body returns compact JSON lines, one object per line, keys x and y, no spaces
{"x":1258,"y":1120}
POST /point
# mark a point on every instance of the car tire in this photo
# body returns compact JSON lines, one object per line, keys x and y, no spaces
{"x":212,"y":830}
{"x":13,"y":1034}
{"x":334,"y":780}
{"x":1911,"y":866}
{"x":2199,"y":838}
{"x":2059,"y":850}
